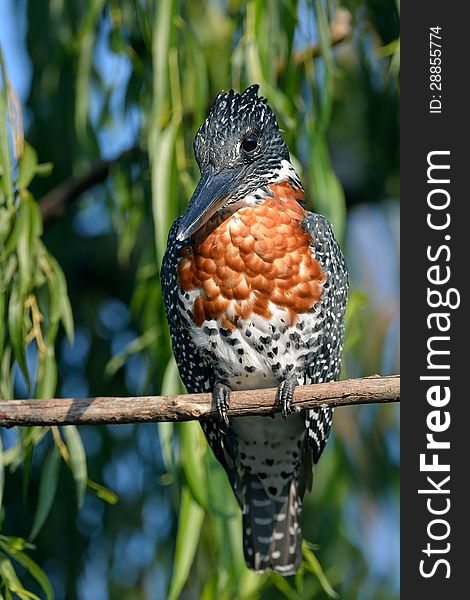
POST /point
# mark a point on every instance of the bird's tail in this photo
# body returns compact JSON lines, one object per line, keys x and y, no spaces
{"x":272,"y":538}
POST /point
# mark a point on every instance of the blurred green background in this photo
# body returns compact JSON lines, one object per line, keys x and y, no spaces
{"x":108,"y":96}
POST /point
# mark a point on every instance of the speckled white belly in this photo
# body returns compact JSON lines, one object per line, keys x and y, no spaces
{"x":259,"y":353}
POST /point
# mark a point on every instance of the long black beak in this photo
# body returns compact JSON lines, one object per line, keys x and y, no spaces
{"x":209,"y":195}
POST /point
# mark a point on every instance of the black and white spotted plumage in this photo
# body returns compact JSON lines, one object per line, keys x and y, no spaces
{"x":268,"y":460}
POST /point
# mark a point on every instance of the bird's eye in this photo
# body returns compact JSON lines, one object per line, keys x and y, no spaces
{"x":250,"y":142}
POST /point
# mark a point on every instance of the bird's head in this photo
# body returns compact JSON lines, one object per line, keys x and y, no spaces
{"x":238,"y":149}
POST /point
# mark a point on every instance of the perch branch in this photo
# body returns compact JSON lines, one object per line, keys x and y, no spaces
{"x":101,"y":410}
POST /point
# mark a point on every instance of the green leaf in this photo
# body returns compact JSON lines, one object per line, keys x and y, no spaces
{"x":16,"y":330}
{"x":10,"y":578}
{"x":171,"y":386}
{"x":6,"y":383}
{"x":162,"y":27}
{"x":323,"y":28}
{"x":191,"y":516}
{"x":25,"y":561}
{"x":357,"y":303}
{"x":25,"y":244}
{"x":36,"y":228}
{"x":87,"y":36}
{"x":28,"y":438}
{"x":7,"y":572}
{"x":171,"y":383}
{"x":24,"y":594}
{"x":44,"y":169}
{"x":47,"y":490}
{"x":9,"y":271}
{"x":162,"y":155}
{"x":165,"y":436}
{"x":24,"y":237}
{"x":77,"y":460}
{"x":226,"y":535}
{"x":222,"y":501}
{"x":2,"y":471}
{"x":6,"y":182}
{"x":313,"y":565}
{"x":13,"y":544}
{"x":163,"y":132}
{"x":35,"y":572}
{"x":328,"y":195}
{"x":3,"y":300}
{"x":250,"y":583}
{"x":195,"y":84}
{"x":19,"y":222}
{"x":47,"y":375}
{"x":27,"y":166}
{"x":284,"y":587}
{"x":60,"y":303}
{"x":27,"y":462}
{"x":193,"y":451}
{"x":103,"y":492}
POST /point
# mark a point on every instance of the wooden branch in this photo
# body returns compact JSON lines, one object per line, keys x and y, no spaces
{"x":101,"y":410}
{"x":340,"y":30}
{"x":55,"y":202}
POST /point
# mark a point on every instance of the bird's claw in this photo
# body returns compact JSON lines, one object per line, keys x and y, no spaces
{"x":285,"y":395}
{"x":221,"y":395}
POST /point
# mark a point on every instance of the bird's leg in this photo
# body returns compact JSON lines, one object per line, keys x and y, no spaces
{"x":285,"y":394}
{"x":221,"y":397}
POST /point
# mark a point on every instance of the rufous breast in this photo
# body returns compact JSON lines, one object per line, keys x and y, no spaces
{"x":248,"y":261}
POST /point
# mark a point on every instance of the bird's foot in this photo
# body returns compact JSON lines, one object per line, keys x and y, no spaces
{"x":221,"y":397}
{"x":285,"y":395}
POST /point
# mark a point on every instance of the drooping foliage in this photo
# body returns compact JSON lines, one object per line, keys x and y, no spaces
{"x":95,"y":163}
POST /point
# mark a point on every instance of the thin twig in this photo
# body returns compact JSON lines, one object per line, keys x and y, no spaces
{"x":101,"y":410}
{"x":340,"y":30}
{"x":55,"y":202}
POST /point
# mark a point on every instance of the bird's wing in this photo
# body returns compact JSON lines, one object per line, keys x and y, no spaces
{"x":195,"y":370}
{"x":326,"y":365}
{"x":194,"y":364}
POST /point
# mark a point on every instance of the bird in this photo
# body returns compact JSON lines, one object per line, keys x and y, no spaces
{"x":255,"y":289}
